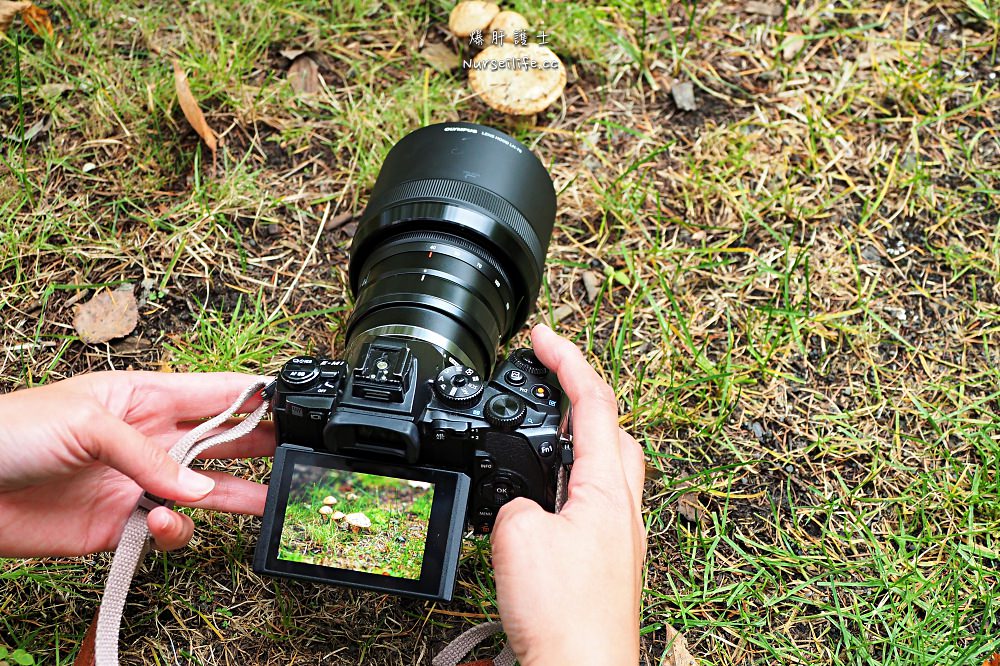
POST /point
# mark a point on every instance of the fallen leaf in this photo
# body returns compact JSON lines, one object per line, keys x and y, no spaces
{"x":37,"y":19}
{"x":678,"y":654}
{"x":440,"y":57}
{"x":54,"y":90}
{"x":561,"y":313}
{"x":592,"y":284}
{"x":993,"y":661}
{"x":791,"y":46}
{"x":291,"y":54}
{"x":8,"y":10}
{"x":303,"y":75}
{"x":33,"y":131}
{"x":691,"y":508}
{"x":683,"y":94}
{"x":191,"y":109}
{"x":772,"y":9}
{"x":106,"y":316}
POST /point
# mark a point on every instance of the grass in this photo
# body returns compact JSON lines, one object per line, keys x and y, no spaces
{"x":797,"y":299}
{"x":393,"y":545}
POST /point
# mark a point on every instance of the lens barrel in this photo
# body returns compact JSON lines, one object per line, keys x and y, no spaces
{"x":451,"y":246}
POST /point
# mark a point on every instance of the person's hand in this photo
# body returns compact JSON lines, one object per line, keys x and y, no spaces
{"x":76,"y":455}
{"x":569,"y":584}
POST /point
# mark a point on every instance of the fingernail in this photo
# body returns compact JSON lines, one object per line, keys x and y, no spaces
{"x":195,"y":483}
{"x":161,"y":519}
{"x":543,"y":327}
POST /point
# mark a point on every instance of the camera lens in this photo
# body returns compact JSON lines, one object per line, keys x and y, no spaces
{"x":451,"y":246}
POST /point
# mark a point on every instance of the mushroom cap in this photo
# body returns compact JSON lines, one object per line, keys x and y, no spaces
{"x":358,"y":520}
{"x":329,"y":500}
{"x":326,"y":510}
{"x":508,"y":21}
{"x":471,"y":15}
{"x":518,"y":91}
{"x":337,"y":515}
{"x":351,"y":497}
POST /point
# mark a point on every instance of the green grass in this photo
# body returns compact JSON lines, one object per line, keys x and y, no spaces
{"x":797,"y":303}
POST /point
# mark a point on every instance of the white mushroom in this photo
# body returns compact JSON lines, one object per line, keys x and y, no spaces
{"x":472,"y":15}
{"x":358,"y":521}
{"x":508,"y":22}
{"x":329,"y":500}
{"x":337,"y":515}
{"x":351,"y":497}
{"x":518,"y":91}
{"x":326,"y":510}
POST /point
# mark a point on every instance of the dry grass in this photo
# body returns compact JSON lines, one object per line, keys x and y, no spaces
{"x":799,"y":302}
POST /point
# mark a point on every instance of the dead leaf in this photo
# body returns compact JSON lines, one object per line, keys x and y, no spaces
{"x":561,"y":313}
{"x":691,"y":508}
{"x":33,"y":131}
{"x":54,"y":90}
{"x":8,"y":10}
{"x":592,"y":284}
{"x":683,"y":94}
{"x":37,"y":19}
{"x":440,"y":57}
{"x":791,"y":46}
{"x":191,"y":109}
{"x":303,"y":75}
{"x":993,"y":661}
{"x":106,"y":316}
{"x":291,"y":54}
{"x":678,"y":655}
{"x":772,"y":9}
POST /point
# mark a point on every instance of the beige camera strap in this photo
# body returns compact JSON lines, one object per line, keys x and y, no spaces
{"x":135,"y":539}
{"x":100,"y":646}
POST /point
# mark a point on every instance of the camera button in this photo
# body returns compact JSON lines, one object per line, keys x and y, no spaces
{"x":541,"y":392}
{"x":486,"y":465}
{"x":546,"y":449}
{"x":515,"y":378}
{"x":485,"y":513}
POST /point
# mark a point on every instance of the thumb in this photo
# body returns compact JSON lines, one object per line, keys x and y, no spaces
{"x":120,"y":446}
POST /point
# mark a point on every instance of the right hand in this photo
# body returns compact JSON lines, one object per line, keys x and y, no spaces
{"x":569,"y":584}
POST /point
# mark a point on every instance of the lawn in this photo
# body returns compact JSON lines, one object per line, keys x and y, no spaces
{"x":793,"y":289}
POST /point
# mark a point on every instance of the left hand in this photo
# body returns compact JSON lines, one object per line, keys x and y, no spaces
{"x":76,"y":455}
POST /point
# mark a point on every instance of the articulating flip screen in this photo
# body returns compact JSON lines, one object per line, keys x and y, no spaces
{"x":362,"y":522}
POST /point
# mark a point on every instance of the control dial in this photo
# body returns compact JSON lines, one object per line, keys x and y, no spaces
{"x":526,"y":360}
{"x":505,"y":411}
{"x":300,"y":371}
{"x":459,"y":386}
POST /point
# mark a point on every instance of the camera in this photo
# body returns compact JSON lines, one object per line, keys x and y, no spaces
{"x":388,"y":456}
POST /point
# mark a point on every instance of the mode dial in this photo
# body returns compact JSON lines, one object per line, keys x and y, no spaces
{"x":526,"y":360}
{"x":459,"y":385}
{"x":300,"y":371}
{"x":505,"y":411}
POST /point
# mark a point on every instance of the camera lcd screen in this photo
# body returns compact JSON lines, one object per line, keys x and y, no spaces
{"x":377,"y":526}
{"x":350,"y":520}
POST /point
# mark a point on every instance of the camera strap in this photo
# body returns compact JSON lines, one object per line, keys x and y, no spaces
{"x":135,"y":542}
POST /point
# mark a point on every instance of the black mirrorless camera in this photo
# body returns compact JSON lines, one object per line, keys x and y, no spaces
{"x":384,"y":458}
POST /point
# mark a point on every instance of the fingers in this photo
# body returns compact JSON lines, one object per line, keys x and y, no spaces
{"x":109,"y":440}
{"x":597,"y":454}
{"x":258,"y":444}
{"x":170,"y":530}
{"x":193,"y":395}
{"x":232,"y":495}
{"x":635,"y":467}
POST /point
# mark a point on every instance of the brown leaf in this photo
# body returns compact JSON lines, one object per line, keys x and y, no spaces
{"x":592,"y":284}
{"x":37,"y":19}
{"x":678,"y":655}
{"x":772,"y":9}
{"x":691,"y":508}
{"x":303,"y":75}
{"x":8,"y":10}
{"x":440,"y":57}
{"x":191,"y":109}
{"x":683,"y":94}
{"x":993,"y":661}
{"x":106,"y":316}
